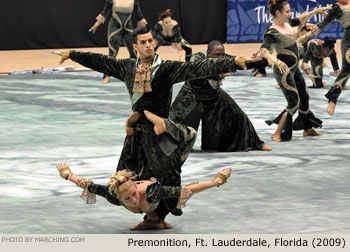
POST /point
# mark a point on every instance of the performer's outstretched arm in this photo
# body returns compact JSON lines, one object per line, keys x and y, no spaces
{"x":98,"y":62}
{"x":334,"y":13}
{"x":205,"y":69}
{"x":306,"y":16}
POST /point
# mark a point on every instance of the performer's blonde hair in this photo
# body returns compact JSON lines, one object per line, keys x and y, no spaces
{"x":120,"y":182}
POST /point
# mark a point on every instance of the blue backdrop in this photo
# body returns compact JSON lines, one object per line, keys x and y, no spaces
{"x":247,"y":19}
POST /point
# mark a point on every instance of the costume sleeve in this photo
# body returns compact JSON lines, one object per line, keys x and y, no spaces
{"x":197,"y":57}
{"x":271,"y":37}
{"x":177,"y":33}
{"x":334,"y":13}
{"x":137,"y":10}
{"x":102,"y":63}
{"x":228,"y":56}
{"x":334,"y":60}
{"x":177,"y":71}
{"x":107,"y":9}
{"x":155,"y":192}
{"x":294,"y":22}
{"x":103,"y":191}
{"x":312,"y":50}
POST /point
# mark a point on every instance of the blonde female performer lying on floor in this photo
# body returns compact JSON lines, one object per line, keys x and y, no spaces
{"x":144,"y":193}
{"x":140,"y":196}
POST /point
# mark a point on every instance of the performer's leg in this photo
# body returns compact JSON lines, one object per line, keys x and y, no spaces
{"x":186,"y":108}
{"x":160,"y":41}
{"x":113,"y":38}
{"x":261,"y":71}
{"x":132,"y":156}
{"x":166,"y":167}
{"x":128,"y":42}
{"x":179,"y":132}
{"x":225,"y":126}
{"x":306,"y":119}
{"x":287,"y":84}
{"x":335,"y":91}
{"x":188,"y":49}
{"x":317,"y":70}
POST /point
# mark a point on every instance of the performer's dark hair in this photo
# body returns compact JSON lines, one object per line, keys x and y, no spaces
{"x":329,"y":42}
{"x":139,"y":31}
{"x":165,"y":14}
{"x":276,"y":5}
{"x":214,"y":43}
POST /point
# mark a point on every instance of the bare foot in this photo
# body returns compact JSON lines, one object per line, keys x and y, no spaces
{"x":256,"y":73}
{"x":159,"y":124}
{"x":106,"y":80}
{"x":276,"y":138}
{"x":167,"y":225}
{"x":146,"y":224}
{"x":265,"y":147}
{"x":331,"y":108}
{"x":277,"y":86}
{"x":312,"y":132}
{"x":130,"y":122}
{"x":346,"y":88}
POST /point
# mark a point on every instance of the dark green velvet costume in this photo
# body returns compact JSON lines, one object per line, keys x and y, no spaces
{"x":225,"y":127}
{"x":292,"y":84}
{"x":342,"y":15}
{"x":142,"y":152}
{"x":166,"y":191}
{"x":120,"y":26}
{"x":176,"y":38}
{"x":312,"y":54}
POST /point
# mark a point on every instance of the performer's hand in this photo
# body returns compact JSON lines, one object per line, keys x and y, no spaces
{"x":313,"y":79}
{"x":284,"y":69}
{"x":247,"y":62}
{"x":310,"y":26}
{"x":222,"y":176}
{"x":101,"y":19}
{"x":142,"y":22}
{"x":64,"y":170}
{"x":305,"y":67}
{"x":64,"y":55}
{"x":322,"y":10}
{"x":95,"y":26}
{"x":315,"y":30}
{"x":303,"y":39}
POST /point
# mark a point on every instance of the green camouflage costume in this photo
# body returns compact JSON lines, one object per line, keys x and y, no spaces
{"x":312,"y":53}
{"x":141,"y":151}
{"x":342,"y":15}
{"x":120,"y":26}
{"x":292,"y":84}
{"x":225,"y":127}
{"x":176,"y":38}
